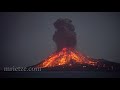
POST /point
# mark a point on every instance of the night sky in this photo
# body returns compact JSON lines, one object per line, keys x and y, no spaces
{"x":26,"y":37}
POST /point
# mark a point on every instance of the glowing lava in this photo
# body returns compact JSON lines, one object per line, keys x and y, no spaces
{"x":67,"y":56}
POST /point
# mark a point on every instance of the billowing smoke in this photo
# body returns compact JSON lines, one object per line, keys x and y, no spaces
{"x":64,"y":35}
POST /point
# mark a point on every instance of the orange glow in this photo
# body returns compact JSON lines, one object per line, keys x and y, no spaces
{"x":66,"y":56}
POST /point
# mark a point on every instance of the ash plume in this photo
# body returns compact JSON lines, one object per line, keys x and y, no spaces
{"x":64,"y":35}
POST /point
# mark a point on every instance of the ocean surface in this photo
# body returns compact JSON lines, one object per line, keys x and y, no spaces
{"x":60,"y":74}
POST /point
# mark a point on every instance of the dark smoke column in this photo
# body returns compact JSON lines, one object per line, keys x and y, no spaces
{"x":64,"y":35}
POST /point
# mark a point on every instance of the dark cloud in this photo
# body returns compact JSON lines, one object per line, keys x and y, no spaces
{"x":64,"y":35}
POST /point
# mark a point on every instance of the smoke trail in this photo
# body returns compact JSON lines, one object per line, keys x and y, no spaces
{"x":64,"y":35}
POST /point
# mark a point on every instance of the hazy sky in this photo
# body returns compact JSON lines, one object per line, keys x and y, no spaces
{"x":26,"y":37}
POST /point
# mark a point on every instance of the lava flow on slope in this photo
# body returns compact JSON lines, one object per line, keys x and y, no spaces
{"x":66,"y":57}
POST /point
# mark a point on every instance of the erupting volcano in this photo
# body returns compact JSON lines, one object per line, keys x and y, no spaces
{"x":66,"y":57}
